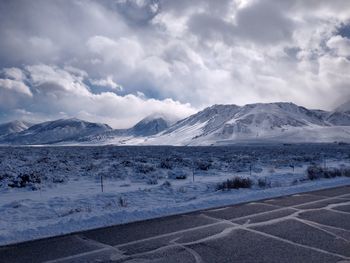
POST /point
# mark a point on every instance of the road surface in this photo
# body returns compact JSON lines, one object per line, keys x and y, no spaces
{"x":309,"y":227}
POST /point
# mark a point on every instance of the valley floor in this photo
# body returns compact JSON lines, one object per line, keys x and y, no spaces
{"x":144,"y":182}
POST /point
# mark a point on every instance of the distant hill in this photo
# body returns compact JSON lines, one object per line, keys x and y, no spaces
{"x":55,"y":131}
{"x":13,"y":127}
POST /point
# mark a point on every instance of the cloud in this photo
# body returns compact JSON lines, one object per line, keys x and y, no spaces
{"x":108,"y":82}
{"x":341,"y":45}
{"x":70,"y":58}
{"x":138,"y":11}
{"x":15,"y":86}
{"x":61,"y":92}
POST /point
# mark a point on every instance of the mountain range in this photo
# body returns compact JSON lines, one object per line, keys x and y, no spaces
{"x":215,"y":125}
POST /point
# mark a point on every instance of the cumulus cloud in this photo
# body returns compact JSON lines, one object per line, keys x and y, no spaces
{"x":59,"y":92}
{"x":71,"y":58}
{"x":341,"y":45}
{"x":108,"y":82}
{"x":16,"y":86}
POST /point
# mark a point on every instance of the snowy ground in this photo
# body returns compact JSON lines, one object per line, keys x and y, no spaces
{"x":47,"y":191}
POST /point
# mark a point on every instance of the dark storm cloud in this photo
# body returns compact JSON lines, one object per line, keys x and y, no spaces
{"x":139,"y":13}
{"x":344,"y":30}
{"x":265,"y":22}
{"x":262,"y":23}
{"x":136,"y":12}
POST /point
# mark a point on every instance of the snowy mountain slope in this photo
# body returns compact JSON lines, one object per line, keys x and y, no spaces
{"x":13,"y":127}
{"x":344,"y":107}
{"x":148,"y":126}
{"x":218,"y":124}
{"x":255,"y":122}
{"x":338,"y":118}
{"x":55,"y":132}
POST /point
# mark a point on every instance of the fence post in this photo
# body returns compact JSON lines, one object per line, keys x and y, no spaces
{"x":193,"y":173}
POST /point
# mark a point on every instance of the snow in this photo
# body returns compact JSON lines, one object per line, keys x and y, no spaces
{"x":56,"y":131}
{"x":144,"y":182}
{"x":13,"y":127}
{"x":345,"y":107}
{"x":269,"y":122}
{"x":218,"y":124}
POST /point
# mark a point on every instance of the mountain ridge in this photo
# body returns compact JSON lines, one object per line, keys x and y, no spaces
{"x":219,"y":123}
{"x":14,"y":127}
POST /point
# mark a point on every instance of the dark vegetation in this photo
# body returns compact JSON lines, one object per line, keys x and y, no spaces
{"x":235,"y":183}
{"x":31,"y":166}
{"x":315,"y":172}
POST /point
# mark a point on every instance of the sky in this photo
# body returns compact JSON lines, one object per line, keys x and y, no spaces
{"x":117,"y":61}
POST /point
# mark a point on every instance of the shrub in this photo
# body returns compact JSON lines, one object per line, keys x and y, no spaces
{"x":177,"y":174}
{"x":331,"y":173}
{"x":314,"y":172}
{"x":203,"y":165}
{"x":317,"y":172}
{"x":167,"y":184}
{"x":145,"y":168}
{"x":264,"y":183}
{"x":165,"y":164}
{"x":122,"y":202}
{"x":25,"y":179}
{"x":152,"y":181}
{"x":345,"y":172}
{"x":235,"y":183}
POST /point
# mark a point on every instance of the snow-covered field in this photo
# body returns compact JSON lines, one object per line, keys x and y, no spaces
{"x":47,"y":191}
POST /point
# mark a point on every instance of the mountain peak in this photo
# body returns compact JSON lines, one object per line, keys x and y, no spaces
{"x":14,"y":127}
{"x":150,"y":125}
{"x":217,"y":124}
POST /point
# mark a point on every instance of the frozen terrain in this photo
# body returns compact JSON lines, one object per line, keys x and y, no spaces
{"x":47,"y":191}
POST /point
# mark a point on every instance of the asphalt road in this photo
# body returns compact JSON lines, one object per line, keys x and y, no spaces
{"x":309,"y":227}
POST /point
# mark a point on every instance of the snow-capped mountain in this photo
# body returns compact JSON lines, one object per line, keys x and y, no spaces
{"x":215,"y":125}
{"x":148,"y":126}
{"x":55,"y":132}
{"x":222,"y":124}
{"x":13,"y":127}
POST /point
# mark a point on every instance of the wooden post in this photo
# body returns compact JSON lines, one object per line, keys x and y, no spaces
{"x":41,"y":185}
{"x":101,"y":183}
{"x":193,"y":173}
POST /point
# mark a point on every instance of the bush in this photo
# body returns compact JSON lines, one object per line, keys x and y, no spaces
{"x":152,"y":181}
{"x":235,"y":183}
{"x":264,"y":183}
{"x":203,"y":165}
{"x":314,"y":172}
{"x":165,"y":164}
{"x":345,"y":172}
{"x":317,"y":172}
{"x":331,"y":173}
{"x":177,"y":174}
{"x":166,"y":184}
{"x":145,"y":168}
{"x":25,"y":179}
